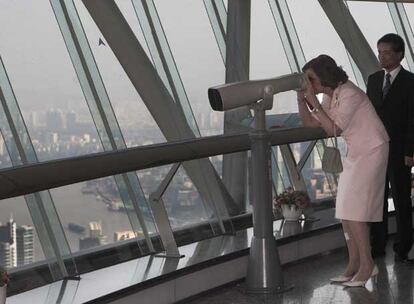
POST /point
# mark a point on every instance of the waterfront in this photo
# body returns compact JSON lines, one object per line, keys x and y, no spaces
{"x":73,"y":207}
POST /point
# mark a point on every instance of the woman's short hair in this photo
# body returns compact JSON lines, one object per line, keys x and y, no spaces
{"x":396,"y":41}
{"x":329,"y":73}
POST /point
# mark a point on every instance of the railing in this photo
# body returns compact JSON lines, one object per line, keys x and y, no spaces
{"x":27,"y":179}
{"x":32,"y":178}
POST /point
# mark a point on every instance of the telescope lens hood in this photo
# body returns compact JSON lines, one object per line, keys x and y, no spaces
{"x":215,"y":99}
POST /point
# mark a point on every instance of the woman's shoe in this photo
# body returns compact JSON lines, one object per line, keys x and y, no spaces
{"x":341,"y":279}
{"x":373,"y":275}
{"x":375,"y":271}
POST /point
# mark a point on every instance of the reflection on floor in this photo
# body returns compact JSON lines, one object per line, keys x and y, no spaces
{"x":311,"y":285}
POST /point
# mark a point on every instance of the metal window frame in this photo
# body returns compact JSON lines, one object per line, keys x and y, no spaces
{"x":403,"y":27}
{"x":351,"y":36}
{"x":40,"y":204}
{"x":101,"y":110}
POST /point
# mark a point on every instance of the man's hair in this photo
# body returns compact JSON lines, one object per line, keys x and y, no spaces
{"x":396,"y":41}
{"x":329,"y":73}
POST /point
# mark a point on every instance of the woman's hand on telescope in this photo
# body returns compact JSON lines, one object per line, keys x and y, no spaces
{"x":300,"y":95}
{"x":309,"y":94}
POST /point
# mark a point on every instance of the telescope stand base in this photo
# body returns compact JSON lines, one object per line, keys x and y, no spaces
{"x":264,"y":274}
{"x":277,"y":290}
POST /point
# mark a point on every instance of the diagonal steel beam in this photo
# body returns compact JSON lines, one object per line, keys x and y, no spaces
{"x":159,"y":102}
{"x":352,"y":37}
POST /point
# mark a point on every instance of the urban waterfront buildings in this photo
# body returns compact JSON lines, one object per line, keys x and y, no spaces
{"x":16,"y":244}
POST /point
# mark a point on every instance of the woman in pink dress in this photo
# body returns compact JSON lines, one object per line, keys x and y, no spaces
{"x":359,"y":199}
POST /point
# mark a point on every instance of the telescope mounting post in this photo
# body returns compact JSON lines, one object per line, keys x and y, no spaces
{"x":264,"y":273}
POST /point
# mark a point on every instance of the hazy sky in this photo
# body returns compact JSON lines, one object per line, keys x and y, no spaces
{"x":42,"y":75}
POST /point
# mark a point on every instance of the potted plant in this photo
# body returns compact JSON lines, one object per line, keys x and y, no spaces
{"x":4,"y":279}
{"x":291,"y":202}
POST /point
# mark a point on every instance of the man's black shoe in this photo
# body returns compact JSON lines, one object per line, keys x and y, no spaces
{"x":403,"y":259}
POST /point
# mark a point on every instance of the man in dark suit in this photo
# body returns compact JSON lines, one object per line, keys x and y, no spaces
{"x":391,"y":91}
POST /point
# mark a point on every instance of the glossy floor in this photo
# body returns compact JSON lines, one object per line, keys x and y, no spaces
{"x":311,"y":285}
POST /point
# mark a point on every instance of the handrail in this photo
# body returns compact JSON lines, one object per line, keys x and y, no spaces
{"x":21,"y":180}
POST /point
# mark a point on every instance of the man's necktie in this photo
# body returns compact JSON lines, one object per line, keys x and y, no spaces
{"x":387,"y":86}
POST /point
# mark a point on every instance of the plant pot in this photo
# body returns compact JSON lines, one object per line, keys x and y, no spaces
{"x":3,"y":293}
{"x":291,"y":212}
{"x":291,"y":228}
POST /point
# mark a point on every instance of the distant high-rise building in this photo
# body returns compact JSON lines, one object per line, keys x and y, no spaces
{"x":71,"y":121}
{"x":89,"y":242}
{"x":36,"y":120}
{"x":95,"y":229}
{"x":124,"y":235}
{"x":96,"y":238}
{"x":54,"y":120}
{"x":6,"y":255}
{"x":25,"y":245}
{"x":16,"y":245}
{"x":54,"y":138}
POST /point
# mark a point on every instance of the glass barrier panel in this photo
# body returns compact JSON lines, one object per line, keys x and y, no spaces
{"x":319,"y":184}
{"x":92,"y":214}
{"x":376,"y":11}
{"x":196,"y":55}
{"x":45,"y":82}
{"x":136,"y":123}
{"x":299,"y":150}
{"x":182,"y":201}
{"x":267,"y":56}
{"x":317,"y":35}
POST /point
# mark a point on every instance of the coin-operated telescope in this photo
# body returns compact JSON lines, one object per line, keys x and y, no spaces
{"x":264,"y":274}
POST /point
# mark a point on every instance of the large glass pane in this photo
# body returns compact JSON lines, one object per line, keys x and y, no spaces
{"x":360,"y":10}
{"x":40,"y":205}
{"x":99,"y":104}
{"x":163,"y":59}
{"x":408,"y":23}
{"x":267,"y":57}
{"x":280,"y":174}
{"x":23,"y":246}
{"x":197,"y":56}
{"x":183,"y":202}
{"x":137,"y":125}
{"x":409,"y":9}
{"x":93,"y":215}
{"x":44,"y":81}
{"x":299,"y":149}
{"x":317,"y":34}
{"x":319,"y":184}
{"x":375,"y":11}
